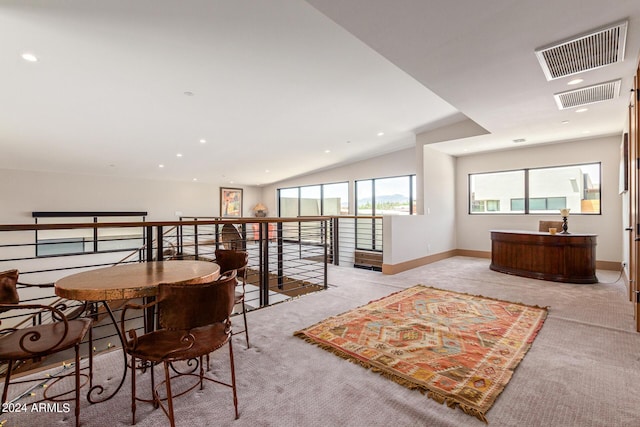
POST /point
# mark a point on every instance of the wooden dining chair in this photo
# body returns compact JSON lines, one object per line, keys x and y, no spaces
{"x":230,"y":237}
{"x":35,"y":342}
{"x":194,"y":320}
{"x":546,"y":225}
{"x":228,"y":260}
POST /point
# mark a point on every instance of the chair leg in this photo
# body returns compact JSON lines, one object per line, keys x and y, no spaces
{"x":169,"y":397}
{"x":133,"y":390}
{"x":156,"y":402}
{"x":233,"y":378}
{"x":246,"y":327}
{"x":7,"y":380}
{"x":201,"y":373}
{"x":77,"y":348}
{"x":91,"y":357}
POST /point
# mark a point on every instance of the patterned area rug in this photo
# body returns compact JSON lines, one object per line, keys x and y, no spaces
{"x":460,"y":349}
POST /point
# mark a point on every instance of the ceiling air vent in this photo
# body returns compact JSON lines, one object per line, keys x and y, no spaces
{"x":588,"y":95}
{"x":586,"y":52}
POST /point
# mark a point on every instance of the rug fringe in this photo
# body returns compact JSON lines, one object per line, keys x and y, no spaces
{"x":450,"y":402}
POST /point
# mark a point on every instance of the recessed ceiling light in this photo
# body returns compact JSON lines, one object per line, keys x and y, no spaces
{"x":189,"y":93}
{"x":230,"y":182}
{"x":586,"y":131}
{"x":565,"y":122}
{"x":380,"y":133}
{"x":519,"y":140}
{"x":203,"y":141}
{"x":179,"y":155}
{"x":160,"y":166}
{"x":575,"y":82}
{"x":29,"y":57}
{"x":266,"y":170}
{"x":195,"y":179}
{"x":581,"y":110}
{"x":327,"y":151}
{"x":348,"y":142}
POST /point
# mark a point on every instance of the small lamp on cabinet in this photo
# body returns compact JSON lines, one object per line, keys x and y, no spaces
{"x":564,"y":213}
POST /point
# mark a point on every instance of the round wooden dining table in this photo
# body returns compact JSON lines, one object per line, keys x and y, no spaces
{"x":129,"y":281}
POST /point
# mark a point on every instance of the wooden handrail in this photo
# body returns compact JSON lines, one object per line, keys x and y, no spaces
{"x":243,"y":220}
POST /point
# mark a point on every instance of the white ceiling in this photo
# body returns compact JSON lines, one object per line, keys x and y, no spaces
{"x":277,"y":83}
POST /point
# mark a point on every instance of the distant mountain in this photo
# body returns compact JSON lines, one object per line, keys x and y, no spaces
{"x":390,"y":198}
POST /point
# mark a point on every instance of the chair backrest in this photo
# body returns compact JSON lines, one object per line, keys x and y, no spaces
{"x":229,"y":259}
{"x":231,"y":238}
{"x":546,"y":225}
{"x":8,"y":291}
{"x":187,"y":306}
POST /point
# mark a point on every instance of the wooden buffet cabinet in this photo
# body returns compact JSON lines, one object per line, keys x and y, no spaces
{"x":567,"y":258}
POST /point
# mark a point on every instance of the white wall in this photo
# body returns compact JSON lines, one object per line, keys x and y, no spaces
{"x":22,"y":192}
{"x":463,"y":129}
{"x":406,"y":238}
{"x":473,"y":230}
{"x":439,"y":200}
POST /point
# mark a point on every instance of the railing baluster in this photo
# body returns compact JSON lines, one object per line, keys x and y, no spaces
{"x":264,"y":279}
{"x":195,"y":240}
{"x":280,"y":256}
{"x":335,"y":241}
{"x":160,"y":240}
{"x":149,"y":242}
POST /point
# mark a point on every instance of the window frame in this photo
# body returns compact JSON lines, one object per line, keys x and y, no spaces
{"x":412,"y":184}
{"x":527,"y":209}
{"x":299,"y":194}
{"x":90,"y":244}
{"x":375,"y":244}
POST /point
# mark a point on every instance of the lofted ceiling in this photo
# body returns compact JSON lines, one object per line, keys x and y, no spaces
{"x":252,"y":92}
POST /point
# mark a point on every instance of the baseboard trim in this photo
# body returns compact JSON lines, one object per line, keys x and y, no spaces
{"x":473,"y":254}
{"x":419,"y":262}
{"x":608,"y":265}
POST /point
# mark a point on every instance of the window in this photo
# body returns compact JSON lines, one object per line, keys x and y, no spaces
{"x":486,"y":206}
{"x":335,"y":199}
{"x":288,"y":202}
{"x":478,"y":206}
{"x":87,"y":240}
{"x":541,"y":203}
{"x":575,"y":187}
{"x":386,"y":196}
{"x":536,"y":191}
{"x":50,"y":247}
{"x":311,"y":200}
{"x":382,"y":196}
{"x":314,"y":200}
{"x":495,"y":192}
{"x":493,"y":205}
